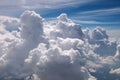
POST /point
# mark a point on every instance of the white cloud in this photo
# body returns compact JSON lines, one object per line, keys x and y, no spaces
{"x":110,"y":11}
{"x":118,"y":52}
{"x":53,"y":51}
{"x":94,"y":22}
{"x":115,"y":71}
{"x":99,"y":34}
{"x":13,"y":7}
{"x":97,"y":16}
{"x":32,"y":25}
{"x":66,"y":28}
{"x":31,"y":4}
{"x":58,"y":64}
{"x":10,"y":23}
{"x":114,"y":33}
{"x":100,"y":37}
{"x":53,"y":4}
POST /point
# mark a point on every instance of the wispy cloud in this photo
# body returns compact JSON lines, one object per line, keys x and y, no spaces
{"x":98,"y":16}
{"x":54,"y":4}
{"x":13,"y":6}
{"x":33,"y":4}
{"x":94,"y":22}
{"x":12,"y":2}
{"x":97,"y":12}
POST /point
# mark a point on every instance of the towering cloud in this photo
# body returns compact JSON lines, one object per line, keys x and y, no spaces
{"x":99,"y":34}
{"x":103,"y":47}
{"x":34,"y":49}
{"x":31,"y":34}
{"x":32,"y":26}
{"x":65,"y":28}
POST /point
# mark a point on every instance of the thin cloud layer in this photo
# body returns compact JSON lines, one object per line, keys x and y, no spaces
{"x":15,"y":8}
{"x":40,"y":50}
{"x":45,"y":3}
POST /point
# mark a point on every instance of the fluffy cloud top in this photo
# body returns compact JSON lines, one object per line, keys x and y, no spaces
{"x":99,"y":37}
{"x":118,"y":52}
{"x":9,"y":24}
{"x":32,"y":25}
{"x":66,"y":28}
{"x":35,"y":49}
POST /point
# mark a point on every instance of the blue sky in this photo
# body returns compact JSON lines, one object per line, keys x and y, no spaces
{"x":88,"y":13}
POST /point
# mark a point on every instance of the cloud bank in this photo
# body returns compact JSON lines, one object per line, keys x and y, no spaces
{"x":35,"y":49}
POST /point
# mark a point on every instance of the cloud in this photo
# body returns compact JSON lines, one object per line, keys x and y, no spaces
{"x":20,"y":46}
{"x":66,"y":28}
{"x":53,"y":4}
{"x":10,"y":23}
{"x":15,"y":8}
{"x":58,"y":64}
{"x":31,"y":21}
{"x":98,"y":16}
{"x":94,"y":22}
{"x":99,"y":34}
{"x":43,"y":4}
{"x":103,"y":46}
{"x":114,"y":33}
{"x":11,"y":3}
{"x":118,"y":52}
{"x":115,"y":71}
{"x":61,"y":50}
{"x":100,"y":12}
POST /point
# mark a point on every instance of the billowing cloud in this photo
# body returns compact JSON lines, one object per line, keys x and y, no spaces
{"x":100,"y":38}
{"x":115,"y":71}
{"x":32,"y":25}
{"x":118,"y":52}
{"x":10,"y":24}
{"x":33,"y":48}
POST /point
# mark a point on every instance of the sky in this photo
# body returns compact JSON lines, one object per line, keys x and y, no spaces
{"x":88,"y":13}
{"x":59,"y":40}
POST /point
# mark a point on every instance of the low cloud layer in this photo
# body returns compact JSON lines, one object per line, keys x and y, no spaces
{"x":35,"y":49}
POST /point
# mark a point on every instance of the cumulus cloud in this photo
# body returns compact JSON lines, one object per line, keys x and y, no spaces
{"x":118,"y":52}
{"x":9,"y":23}
{"x":32,"y":25}
{"x":115,"y":71}
{"x":99,"y":34}
{"x":58,"y":64}
{"x":99,"y":37}
{"x":65,"y":28}
{"x":32,"y":48}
